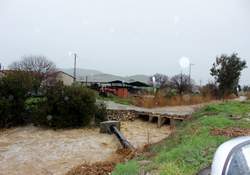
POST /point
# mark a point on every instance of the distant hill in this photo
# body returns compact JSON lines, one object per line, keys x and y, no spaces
{"x":98,"y":76}
{"x":104,"y":78}
{"x":81,"y":72}
{"x":141,"y":78}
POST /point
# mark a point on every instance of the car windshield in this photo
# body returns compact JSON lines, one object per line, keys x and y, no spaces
{"x":240,"y":162}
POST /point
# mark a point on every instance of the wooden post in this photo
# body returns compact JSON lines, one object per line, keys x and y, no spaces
{"x":161,"y":121}
{"x":150,"y":119}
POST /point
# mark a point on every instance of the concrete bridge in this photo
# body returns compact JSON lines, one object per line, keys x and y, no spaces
{"x":161,"y":119}
{"x":162,"y":115}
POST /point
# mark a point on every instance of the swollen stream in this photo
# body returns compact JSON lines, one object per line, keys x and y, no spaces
{"x":36,"y":151}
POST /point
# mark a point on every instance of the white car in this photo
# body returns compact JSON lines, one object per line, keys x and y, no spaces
{"x":231,"y":158}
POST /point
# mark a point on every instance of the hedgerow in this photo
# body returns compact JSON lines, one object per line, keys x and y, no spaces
{"x":58,"y":107}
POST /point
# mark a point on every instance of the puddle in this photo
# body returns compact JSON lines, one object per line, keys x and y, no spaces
{"x":36,"y":151}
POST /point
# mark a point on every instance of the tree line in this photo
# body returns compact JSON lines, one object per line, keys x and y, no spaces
{"x":30,"y":93}
{"x":226,"y":71}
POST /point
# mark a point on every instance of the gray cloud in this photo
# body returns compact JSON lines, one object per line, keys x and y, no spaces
{"x":127,"y":37}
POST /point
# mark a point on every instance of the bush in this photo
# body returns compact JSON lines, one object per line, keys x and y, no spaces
{"x":33,"y":107}
{"x":59,"y":107}
{"x":66,"y":106}
{"x":32,"y":103}
{"x":6,"y":116}
{"x":210,"y":90}
{"x":14,"y":89}
{"x":101,"y":113}
{"x":11,"y":112}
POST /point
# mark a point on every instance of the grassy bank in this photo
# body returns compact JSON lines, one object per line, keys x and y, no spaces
{"x":191,"y":147}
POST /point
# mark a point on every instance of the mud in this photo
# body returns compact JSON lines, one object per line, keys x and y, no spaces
{"x":36,"y":151}
{"x":231,"y":132}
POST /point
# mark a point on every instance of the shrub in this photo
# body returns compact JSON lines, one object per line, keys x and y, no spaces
{"x":59,"y":107}
{"x":33,"y":107}
{"x":6,"y":116}
{"x":32,"y":103}
{"x":11,"y":112}
{"x":210,"y":90}
{"x":66,"y":106}
{"x":15,"y":87}
{"x":101,"y":113}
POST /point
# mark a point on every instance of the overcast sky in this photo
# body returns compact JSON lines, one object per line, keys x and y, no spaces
{"x":126,"y":37}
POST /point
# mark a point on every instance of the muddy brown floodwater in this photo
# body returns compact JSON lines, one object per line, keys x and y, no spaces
{"x":36,"y":151}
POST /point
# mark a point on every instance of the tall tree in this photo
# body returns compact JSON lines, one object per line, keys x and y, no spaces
{"x":226,"y":71}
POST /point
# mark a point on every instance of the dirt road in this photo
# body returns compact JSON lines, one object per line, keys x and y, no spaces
{"x":172,"y":110}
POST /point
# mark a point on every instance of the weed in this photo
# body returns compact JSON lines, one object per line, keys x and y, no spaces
{"x":129,"y":168}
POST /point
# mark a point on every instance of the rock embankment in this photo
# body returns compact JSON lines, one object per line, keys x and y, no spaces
{"x":122,"y":115}
{"x":129,"y":113}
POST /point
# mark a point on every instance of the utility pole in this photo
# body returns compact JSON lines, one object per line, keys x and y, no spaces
{"x":75,"y":55}
{"x":86,"y":82}
{"x":190,"y":70}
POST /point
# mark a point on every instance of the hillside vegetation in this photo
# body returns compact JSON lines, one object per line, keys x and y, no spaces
{"x":191,"y":147}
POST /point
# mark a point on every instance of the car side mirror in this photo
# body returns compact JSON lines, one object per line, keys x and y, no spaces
{"x":232,"y":157}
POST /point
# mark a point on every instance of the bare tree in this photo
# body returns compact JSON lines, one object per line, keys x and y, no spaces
{"x":32,"y":63}
{"x":160,"y":79}
{"x":181,"y":83}
{"x":39,"y":65}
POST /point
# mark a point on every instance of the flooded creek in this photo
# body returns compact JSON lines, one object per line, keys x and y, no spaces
{"x":36,"y":151}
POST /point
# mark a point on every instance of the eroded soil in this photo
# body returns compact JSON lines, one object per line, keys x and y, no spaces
{"x":231,"y":132}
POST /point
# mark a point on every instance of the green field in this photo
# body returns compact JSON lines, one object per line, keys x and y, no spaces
{"x":191,"y":147}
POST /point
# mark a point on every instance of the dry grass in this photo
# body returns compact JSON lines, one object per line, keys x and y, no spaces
{"x":178,"y":100}
{"x":106,"y":167}
{"x":159,"y":100}
{"x":101,"y":168}
{"x":248,"y":95}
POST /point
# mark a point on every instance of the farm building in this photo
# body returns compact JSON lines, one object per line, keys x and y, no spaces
{"x":65,"y":78}
{"x":121,"y":88}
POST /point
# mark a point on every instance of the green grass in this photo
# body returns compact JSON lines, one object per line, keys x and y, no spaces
{"x":191,"y":147}
{"x":130,"y":168}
